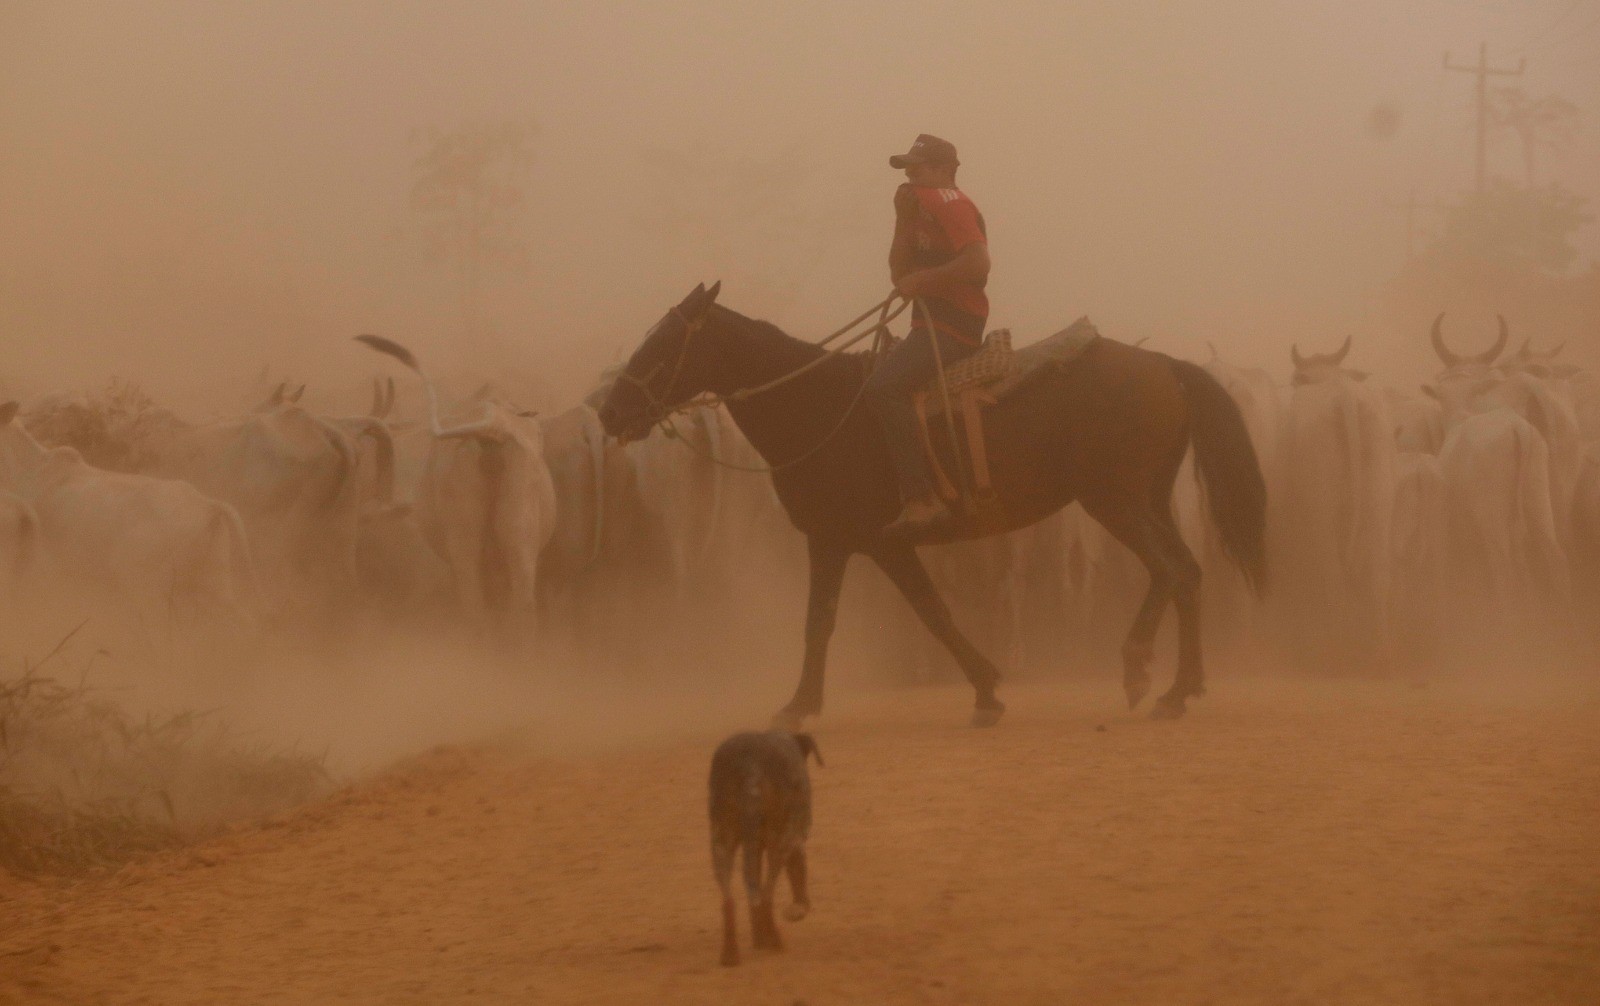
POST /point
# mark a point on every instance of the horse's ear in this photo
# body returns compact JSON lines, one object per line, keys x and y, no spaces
{"x":711,"y":294}
{"x":692,"y":301}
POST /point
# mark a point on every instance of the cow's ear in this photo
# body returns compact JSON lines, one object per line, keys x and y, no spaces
{"x":8,"y":412}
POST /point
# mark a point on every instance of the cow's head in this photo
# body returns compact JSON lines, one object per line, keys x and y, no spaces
{"x":664,"y":372}
{"x":1320,"y":367}
{"x":1467,"y":379}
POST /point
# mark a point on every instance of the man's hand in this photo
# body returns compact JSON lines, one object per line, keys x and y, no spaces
{"x":905,"y":201}
{"x":910,"y":285}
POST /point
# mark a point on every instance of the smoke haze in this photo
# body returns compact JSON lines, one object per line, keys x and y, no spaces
{"x":193,"y":192}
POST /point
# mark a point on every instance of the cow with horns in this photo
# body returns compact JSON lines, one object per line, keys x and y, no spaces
{"x":1496,"y":468}
{"x":1334,"y":524}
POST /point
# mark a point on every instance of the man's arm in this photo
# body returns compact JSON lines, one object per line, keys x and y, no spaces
{"x":971,"y":265}
{"x":902,"y":250}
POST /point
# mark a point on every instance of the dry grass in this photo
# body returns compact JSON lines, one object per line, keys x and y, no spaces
{"x":83,"y":784}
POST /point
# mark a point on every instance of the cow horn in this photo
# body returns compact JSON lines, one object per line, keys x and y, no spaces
{"x":1213,"y":347}
{"x":1448,"y":358}
{"x":1556,"y":351}
{"x":1294,"y":354}
{"x":297,"y":393}
{"x":376,"y":409}
{"x":1344,"y":351}
{"x":1493,"y":352}
{"x":388,"y":398}
{"x":277,"y":393}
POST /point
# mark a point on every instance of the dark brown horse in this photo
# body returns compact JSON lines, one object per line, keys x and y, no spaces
{"x":1109,"y":430}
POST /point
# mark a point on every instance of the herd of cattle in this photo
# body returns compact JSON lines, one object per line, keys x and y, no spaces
{"x":1401,"y":522}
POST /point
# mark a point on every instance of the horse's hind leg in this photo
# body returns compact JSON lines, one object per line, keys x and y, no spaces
{"x":903,"y":567}
{"x":1190,"y":680}
{"x":1137,"y":528}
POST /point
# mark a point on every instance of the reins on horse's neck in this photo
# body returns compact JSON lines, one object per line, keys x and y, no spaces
{"x":744,"y":394}
{"x":884,"y":317}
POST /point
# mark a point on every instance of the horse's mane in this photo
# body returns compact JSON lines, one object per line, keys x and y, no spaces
{"x":860,"y":358}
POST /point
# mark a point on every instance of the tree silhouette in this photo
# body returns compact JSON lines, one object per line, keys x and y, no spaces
{"x":1547,"y":122}
{"x":466,"y":190}
{"x":1511,"y":225}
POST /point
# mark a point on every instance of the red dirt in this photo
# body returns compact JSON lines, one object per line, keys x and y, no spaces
{"x":1325,"y":843}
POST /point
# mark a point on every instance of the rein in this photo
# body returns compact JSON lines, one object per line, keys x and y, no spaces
{"x":878,"y":329}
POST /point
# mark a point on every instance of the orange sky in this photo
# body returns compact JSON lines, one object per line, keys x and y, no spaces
{"x":193,"y":190}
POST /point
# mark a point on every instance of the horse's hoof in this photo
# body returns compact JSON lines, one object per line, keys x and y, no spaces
{"x":1167,"y":709}
{"x":796,"y":912}
{"x":988,"y":716}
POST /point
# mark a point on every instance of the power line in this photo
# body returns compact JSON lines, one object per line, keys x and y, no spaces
{"x":1484,"y":71}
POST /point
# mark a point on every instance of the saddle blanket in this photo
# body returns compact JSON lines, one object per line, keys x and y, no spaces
{"x":1000,"y":370}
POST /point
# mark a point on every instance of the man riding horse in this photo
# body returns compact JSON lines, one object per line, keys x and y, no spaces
{"x":940,"y":255}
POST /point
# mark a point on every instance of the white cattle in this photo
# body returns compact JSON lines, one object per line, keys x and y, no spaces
{"x":486,"y":504}
{"x":1586,"y":541}
{"x":1417,"y":607}
{"x":1333,"y":527}
{"x":1501,"y":524}
{"x":21,"y":544}
{"x":295,"y":480}
{"x":1469,"y":385}
{"x":159,"y":548}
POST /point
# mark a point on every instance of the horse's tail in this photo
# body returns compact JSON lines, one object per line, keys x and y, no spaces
{"x":1225,"y":460}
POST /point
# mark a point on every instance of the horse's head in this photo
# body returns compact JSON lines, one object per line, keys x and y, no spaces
{"x":664,"y":372}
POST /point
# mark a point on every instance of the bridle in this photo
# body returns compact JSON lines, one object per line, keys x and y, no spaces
{"x":660,"y":411}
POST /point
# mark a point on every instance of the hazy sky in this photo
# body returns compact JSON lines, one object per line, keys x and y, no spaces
{"x":191,"y":190}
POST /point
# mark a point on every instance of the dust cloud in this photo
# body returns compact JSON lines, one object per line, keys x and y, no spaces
{"x":198,"y":195}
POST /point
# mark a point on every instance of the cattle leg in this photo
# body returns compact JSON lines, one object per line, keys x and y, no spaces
{"x":797,"y":885}
{"x":903,"y":567}
{"x":1136,"y":528}
{"x":822,"y":611}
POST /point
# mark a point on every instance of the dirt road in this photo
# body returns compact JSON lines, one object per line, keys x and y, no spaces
{"x":1350,"y":843}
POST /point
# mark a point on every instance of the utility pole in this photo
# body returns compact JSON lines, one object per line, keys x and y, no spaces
{"x":1411,"y":206}
{"x":1484,"y":72}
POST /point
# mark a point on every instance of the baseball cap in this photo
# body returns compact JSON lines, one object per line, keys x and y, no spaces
{"x":926,"y":149}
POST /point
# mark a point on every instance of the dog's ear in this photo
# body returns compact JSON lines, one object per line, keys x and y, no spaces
{"x":808,"y":746}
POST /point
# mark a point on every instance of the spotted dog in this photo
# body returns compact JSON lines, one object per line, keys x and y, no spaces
{"x":761,"y":800}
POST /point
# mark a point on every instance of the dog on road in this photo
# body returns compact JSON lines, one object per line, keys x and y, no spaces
{"x":761,"y":800}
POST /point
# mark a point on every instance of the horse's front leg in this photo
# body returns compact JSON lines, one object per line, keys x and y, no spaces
{"x":901,"y":564}
{"x":822,"y":611}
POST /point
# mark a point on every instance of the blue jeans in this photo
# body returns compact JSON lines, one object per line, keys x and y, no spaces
{"x":907,"y":368}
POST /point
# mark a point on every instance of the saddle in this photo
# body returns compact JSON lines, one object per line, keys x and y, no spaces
{"x":973,"y":384}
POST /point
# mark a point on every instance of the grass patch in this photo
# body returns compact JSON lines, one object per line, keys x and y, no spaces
{"x":84,"y":785}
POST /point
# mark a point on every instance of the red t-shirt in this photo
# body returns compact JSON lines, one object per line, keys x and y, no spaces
{"x":947,"y":222}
